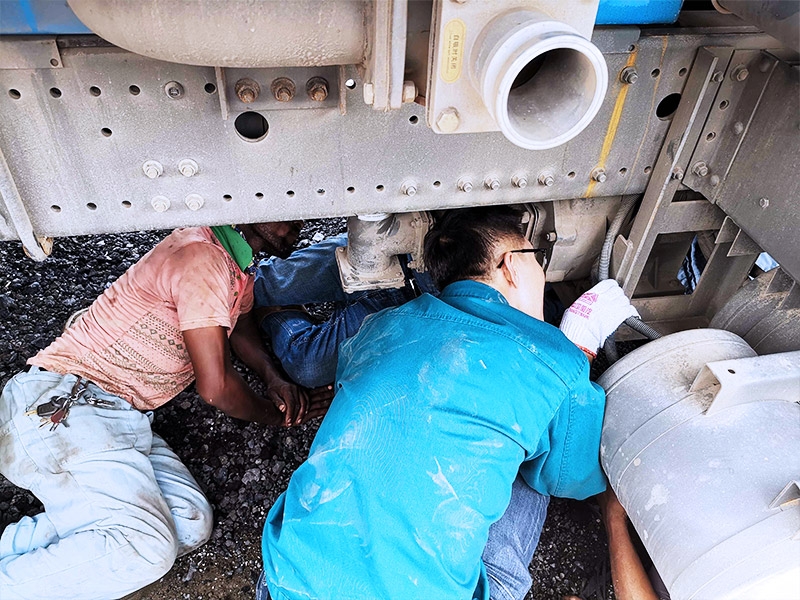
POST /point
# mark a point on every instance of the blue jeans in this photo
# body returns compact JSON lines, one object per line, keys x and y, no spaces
{"x":308,"y":351}
{"x":509,"y":549}
{"x":119,"y":506}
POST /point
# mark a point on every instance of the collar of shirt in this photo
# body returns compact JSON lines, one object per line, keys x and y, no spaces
{"x":469,"y":288}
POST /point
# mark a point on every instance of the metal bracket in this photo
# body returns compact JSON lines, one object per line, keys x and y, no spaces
{"x":19,"y":52}
{"x":385,"y":65}
{"x":219,"y":72}
{"x":20,"y":219}
{"x":744,"y":380}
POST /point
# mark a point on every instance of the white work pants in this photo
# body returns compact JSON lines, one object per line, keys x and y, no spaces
{"x":119,"y":506}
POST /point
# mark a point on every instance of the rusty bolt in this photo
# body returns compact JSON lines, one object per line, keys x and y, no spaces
{"x":194,"y":201}
{"x":763,"y":202}
{"x":700,"y":169}
{"x":173,"y":90}
{"x":409,"y":188}
{"x":159,"y":203}
{"x":677,"y":173}
{"x":599,"y":175}
{"x":628,"y":75}
{"x":519,"y":181}
{"x":409,"y":92}
{"x":546,"y":179}
{"x":551,"y":236}
{"x":491,"y":183}
{"x":465,"y":185}
{"x":247,"y":90}
{"x":740,"y":73}
{"x":153,"y":169}
{"x":448,"y":120}
{"x":188,"y":168}
{"x":369,"y":93}
{"x":717,"y":77}
{"x":283,"y":89}
{"x":317,"y":89}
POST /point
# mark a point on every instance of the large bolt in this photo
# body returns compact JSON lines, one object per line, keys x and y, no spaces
{"x":369,"y":93}
{"x":448,"y":120}
{"x":194,"y":201}
{"x":153,"y":169}
{"x":408,"y":188}
{"x":188,"y":168}
{"x":546,"y":179}
{"x":283,"y":89}
{"x":317,"y":89}
{"x":763,"y":202}
{"x":409,"y":92}
{"x":519,"y":181}
{"x":247,"y":90}
{"x":599,"y":175}
{"x":465,"y":185}
{"x":491,"y":183}
{"x":740,"y":73}
{"x":159,"y":203}
{"x":628,"y":75}
{"x":173,"y":90}
{"x":700,"y":169}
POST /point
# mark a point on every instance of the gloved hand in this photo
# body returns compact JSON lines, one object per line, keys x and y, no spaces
{"x":596,"y":315}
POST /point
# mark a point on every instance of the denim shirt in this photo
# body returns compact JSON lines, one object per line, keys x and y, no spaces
{"x":440,"y":403}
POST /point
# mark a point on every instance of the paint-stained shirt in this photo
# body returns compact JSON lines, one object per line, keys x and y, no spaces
{"x":130,"y":342}
{"x":440,"y":403}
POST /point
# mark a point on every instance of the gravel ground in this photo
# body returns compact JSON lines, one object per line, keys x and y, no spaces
{"x":242,"y":467}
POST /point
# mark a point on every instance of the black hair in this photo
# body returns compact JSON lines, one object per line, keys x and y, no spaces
{"x":461,"y":244}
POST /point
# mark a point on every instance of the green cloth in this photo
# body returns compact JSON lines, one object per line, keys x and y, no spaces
{"x":233,"y":241}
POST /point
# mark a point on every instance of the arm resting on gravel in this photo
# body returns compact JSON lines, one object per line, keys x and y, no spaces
{"x":219,"y":384}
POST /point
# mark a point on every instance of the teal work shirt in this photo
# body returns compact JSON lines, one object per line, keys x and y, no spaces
{"x":440,"y":403}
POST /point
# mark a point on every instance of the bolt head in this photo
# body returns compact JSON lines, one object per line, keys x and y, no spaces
{"x":247,"y":90}
{"x":714,"y":181}
{"x":188,"y":168}
{"x":491,"y":183}
{"x":599,"y":175}
{"x":409,"y":189}
{"x":763,"y":202}
{"x":629,"y":75}
{"x":194,"y":201}
{"x":717,"y":77}
{"x":551,"y":236}
{"x":283,"y":89}
{"x":152,"y":169}
{"x":700,"y":169}
{"x":546,"y":179}
{"x":740,"y":73}
{"x":465,"y":185}
{"x":369,"y":93}
{"x":677,"y":173}
{"x":519,"y":181}
{"x":317,"y":89}
{"x":409,"y":92}
{"x":159,"y":203}
{"x":448,"y":120}
{"x":173,"y":90}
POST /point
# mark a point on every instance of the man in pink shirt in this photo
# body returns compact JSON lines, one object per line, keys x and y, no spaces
{"x":119,"y":506}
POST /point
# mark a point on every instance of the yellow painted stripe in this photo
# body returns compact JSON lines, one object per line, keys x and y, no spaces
{"x":613,"y":123}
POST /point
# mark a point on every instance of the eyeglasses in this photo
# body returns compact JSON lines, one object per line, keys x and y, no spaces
{"x":541,"y":256}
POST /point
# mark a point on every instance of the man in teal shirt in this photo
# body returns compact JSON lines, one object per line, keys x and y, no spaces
{"x":455,"y":419}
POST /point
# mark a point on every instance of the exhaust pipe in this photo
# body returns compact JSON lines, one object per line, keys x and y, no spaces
{"x":540,"y":80}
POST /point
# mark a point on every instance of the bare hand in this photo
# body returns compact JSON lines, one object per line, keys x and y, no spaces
{"x":290,"y":399}
{"x":320,"y":399}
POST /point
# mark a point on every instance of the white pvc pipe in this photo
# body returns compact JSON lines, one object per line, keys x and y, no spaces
{"x":541,"y":81}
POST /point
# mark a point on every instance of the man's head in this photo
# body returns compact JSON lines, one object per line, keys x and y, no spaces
{"x":276,"y":238}
{"x":481,"y":244}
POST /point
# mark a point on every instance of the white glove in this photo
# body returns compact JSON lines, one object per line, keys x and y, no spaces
{"x":596,"y":315}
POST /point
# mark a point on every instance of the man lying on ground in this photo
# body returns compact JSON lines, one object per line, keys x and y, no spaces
{"x":454,"y":421}
{"x":119,"y":506}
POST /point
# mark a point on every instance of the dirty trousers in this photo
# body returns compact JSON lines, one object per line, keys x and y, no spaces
{"x":119,"y":506}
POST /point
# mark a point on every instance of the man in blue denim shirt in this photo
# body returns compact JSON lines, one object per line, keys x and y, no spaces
{"x":454,"y":421}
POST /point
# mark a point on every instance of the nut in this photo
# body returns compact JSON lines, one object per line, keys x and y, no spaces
{"x":700,"y":169}
{"x":153,"y":169}
{"x":551,"y":236}
{"x":546,"y":179}
{"x":159,"y":203}
{"x":717,"y":77}
{"x":519,"y":181}
{"x":628,"y":75}
{"x":408,"y":188}
{"x":247,"y":90}
{"x":194,"y":201}
{"x":448,"y":120}
{"x":465,"y":185}
{"x":173,"y":89}
{"x":740,"y":73}
{"x":599,"y":175}
{"x":677,"y":173}
{"x":491,"y":183}
{"x":409,"y":91}
{"x":763,"y":202}
{"x":317,"y":89}
{"x":283,"y":89}
{"x":187,"y":167}
{"x":369,"y":93}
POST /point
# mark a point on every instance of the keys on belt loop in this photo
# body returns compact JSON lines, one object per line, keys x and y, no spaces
{"x":55,"y":411}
